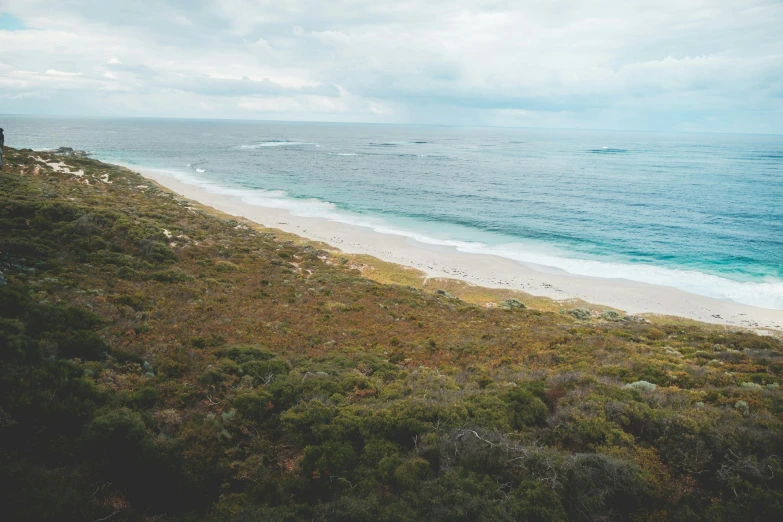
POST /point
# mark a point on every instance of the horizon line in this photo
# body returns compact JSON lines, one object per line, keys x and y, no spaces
{"x":411,"y":124}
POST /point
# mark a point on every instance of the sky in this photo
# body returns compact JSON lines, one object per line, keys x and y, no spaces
{"x":664,"y":65}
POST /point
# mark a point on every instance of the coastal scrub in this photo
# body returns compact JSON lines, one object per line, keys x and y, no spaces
{"x":160,"y":362}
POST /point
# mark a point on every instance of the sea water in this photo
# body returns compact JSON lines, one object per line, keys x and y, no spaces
{"x":699,"y":212}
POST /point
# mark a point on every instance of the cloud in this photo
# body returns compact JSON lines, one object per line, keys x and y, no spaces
{"x":52,"y":72}
{"x":604,"y":64}
{"x":212,"y":86}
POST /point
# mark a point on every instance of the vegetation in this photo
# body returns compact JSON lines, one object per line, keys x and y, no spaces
{"x":159,"y":362}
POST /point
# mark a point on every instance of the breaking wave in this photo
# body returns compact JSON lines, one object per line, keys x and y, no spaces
{"x":276,"y":143}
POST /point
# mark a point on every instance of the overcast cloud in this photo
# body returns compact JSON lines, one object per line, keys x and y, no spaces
{"x":711,"y":65}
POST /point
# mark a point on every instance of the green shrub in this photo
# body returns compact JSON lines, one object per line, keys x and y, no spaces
{"x":328,"y":459}
{"x":642,"y":386}
{"x":209,"y":341}
{"x":243,"y":353}
{"x":145,"y":398}
{"x":253,"y":405}
{"x":83,"y":344}
{"x":580,"y":313}
{"x":526,"y":409}
{"x":173,"y":275}
{"x":512,"y":304}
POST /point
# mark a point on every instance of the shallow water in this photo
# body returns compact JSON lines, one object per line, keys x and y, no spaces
{"x":699,"y":212}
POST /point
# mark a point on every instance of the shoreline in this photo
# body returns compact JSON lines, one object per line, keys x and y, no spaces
{"x":485,"y":270}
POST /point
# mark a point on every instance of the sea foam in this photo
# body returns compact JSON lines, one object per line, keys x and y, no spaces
{"x":764,"y":294}
{"x":275,"y":144}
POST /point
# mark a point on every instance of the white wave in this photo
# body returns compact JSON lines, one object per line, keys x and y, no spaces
{"x":200,"y":171}
{"x":276,"y":144}
{"x":764,"y":294}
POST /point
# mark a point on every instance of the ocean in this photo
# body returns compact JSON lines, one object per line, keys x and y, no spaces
{"x":698,"y":212}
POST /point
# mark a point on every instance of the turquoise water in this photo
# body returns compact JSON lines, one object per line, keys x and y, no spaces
{"x":699,"y":212}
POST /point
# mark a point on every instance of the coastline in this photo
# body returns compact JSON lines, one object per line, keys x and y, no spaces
{"x":484,"y":270}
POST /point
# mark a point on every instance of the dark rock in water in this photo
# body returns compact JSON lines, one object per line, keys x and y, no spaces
{"x":610,"y":315}
{"x":512,"y":303}
{"x":69,"y":151}
{"x":580,"y":313}
{"x":607,"y":150}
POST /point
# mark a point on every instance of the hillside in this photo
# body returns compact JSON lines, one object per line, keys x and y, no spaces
{"x":161,"y":362}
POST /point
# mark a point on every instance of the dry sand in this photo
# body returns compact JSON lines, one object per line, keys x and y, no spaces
{"x":485,"y":270}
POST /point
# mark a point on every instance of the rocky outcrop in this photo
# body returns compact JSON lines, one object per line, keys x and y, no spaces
{"x":69,"y":151}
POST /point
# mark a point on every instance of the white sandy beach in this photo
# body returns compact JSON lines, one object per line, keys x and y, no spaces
{"x":485,"y":270}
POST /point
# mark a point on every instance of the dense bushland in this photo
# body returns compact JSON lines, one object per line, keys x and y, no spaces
{"x":161,"y":363}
